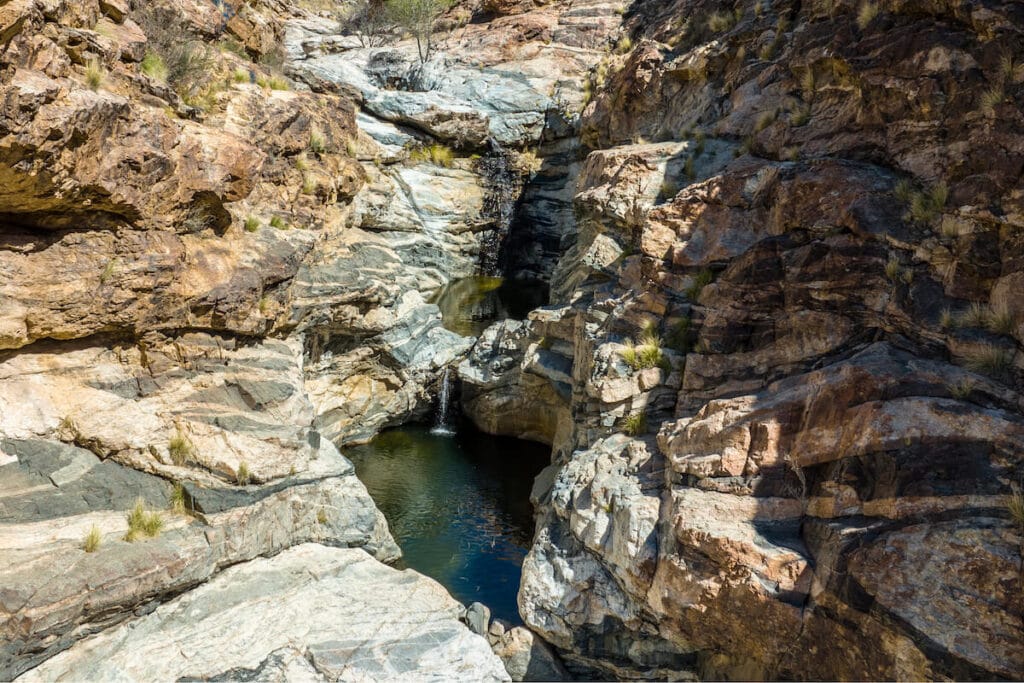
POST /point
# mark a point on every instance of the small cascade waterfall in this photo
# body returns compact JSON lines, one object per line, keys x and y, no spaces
{"x":442,"y":418}
{"x":505,"y":184}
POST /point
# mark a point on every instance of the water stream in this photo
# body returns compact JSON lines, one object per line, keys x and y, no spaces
{"x":458,"y":505}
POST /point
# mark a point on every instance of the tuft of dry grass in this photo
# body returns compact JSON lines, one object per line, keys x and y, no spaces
{"x":988,"y":359}
{"x":92,"y":540}
{"x":180,"y":449}
{"x":866,"y":13}
{"x":179,"y":500}
{"x":94,"y":74}
{"x":243,"y":476}
{"x":439,"y":155}
{"x":142,"y":523}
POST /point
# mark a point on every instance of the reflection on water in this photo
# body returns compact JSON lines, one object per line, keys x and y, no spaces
{"x":459,"y":507}
{"x":469,"y":305}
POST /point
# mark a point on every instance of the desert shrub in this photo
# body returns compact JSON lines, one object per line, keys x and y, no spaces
{"x":94,"y":74}
{"x":634,"y":424}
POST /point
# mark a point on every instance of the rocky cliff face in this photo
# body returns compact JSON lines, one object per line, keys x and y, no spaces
{"x":783,"y":381}
{"x":781,"y":374}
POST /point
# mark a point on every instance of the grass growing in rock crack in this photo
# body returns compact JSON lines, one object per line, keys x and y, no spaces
{"x":946,"y":319}
{"x":317,"y":144}
{"x":645,"y":354}
{"x":180,"y":449}
{"x":277,"y":222}
{"x":866,"y":13}
{"x":143,"y":523}
{"x":992,"y":98}
{"x":635,"y":424}
{"x":961,"y":389}
{"x":243,"y":476}
{"x":92,"y":540}
{"x":995,"y":319}
{"x":988,"y":359}
{"x":924,"y":206}
{"x":179,"y":501}
{"x":252,"y":224}
{"x":154,"y":66}
{"x":94,"y":74}
{"x":700,"y":281}
{"x":1015,"y":506}
{"x":321,"y":516}
{"x":439,"y":155}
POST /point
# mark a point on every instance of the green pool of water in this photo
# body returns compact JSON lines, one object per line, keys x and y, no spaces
{"x":470,"y":304}
{"x":458,"y":506}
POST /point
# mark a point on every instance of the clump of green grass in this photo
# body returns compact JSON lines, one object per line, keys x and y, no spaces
{"x":800,"y":116}
{"x":180,"y":449}
{"x":277,"y":222}
{"x":635,"y":424}
{"x":252,"y":224}
{"x":924,"y":206}
{"x":961,"y":389}
{"x":243,"y":476}
{"x":720,"y":22}
{"x":1015,"y":506}
{"x":992,"y":98}
{"x":94,"y":74}
{"x":1000,"y":320}
{"x":765,"y":119}
{"x":109,"y":270}
{"x":241,"y":75}
{"x":867,"y":12}
{"x":624,"y":45}
{"x":700,"y":281}
{"x":309,"y":186}
{"x":321,"y":516}
{"x":317,"y":144}
{"x":92,"y":540}
{"x":946,"y":319}
{"x":680,"y":336}
{"x":154,"y":66}
{"x":179,"y":500}
{"x":645,"y":354}
{"x":142,"y":523}
{"x":278,"y":83}
{"x":988,"y":359}
{"x":439,"y":155}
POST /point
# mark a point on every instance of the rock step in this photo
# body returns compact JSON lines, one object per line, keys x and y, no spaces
{"x":338,"y":614}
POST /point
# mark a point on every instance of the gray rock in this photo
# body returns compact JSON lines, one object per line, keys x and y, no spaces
{"x":355,"y":619}
{"x":528,"y":658}
{"x":478,"y":617}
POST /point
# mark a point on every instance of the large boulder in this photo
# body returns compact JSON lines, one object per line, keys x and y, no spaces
{"x":336,"y":614}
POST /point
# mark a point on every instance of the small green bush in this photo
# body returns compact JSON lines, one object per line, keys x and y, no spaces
{"x":277,"y":222}
{"x":278,"y":83}
{"x":252,"y":224}
{"x":321,"y":516}
{"x":92,"y":540}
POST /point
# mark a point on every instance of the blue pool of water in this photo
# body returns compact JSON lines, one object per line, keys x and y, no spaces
{"x":458,"y":505}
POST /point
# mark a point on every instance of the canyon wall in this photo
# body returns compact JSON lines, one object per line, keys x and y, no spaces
{"x":783,"y":374}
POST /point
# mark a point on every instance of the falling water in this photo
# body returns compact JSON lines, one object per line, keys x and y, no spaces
{"x":504,"y":185}
{"x":442,"y":418}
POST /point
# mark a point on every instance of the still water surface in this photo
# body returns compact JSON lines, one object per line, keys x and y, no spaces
{"x":458,"y":505}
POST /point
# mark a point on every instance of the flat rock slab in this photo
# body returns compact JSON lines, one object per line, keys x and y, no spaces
{"x":329,"y":613}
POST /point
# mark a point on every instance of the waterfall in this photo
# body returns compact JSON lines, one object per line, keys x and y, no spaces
{"x":504,"y":185}
{"x":444,"y":400}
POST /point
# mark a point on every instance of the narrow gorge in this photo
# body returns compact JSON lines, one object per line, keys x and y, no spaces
{"x":533,"y":340}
